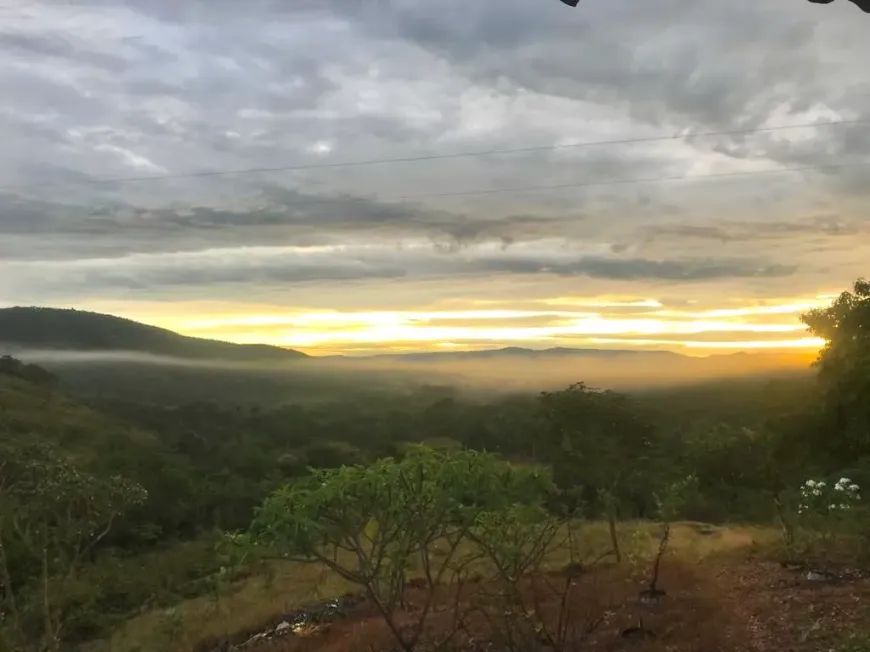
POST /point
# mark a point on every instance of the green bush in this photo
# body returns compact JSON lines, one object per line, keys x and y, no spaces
{"x":114,"y":587}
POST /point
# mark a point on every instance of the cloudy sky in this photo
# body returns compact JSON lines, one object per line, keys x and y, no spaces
{"x":332,"y":175}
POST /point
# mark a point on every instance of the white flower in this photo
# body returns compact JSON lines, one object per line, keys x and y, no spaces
{"x":844,"y":481}
{"x":854,"y":487}
{"x":810,"y":483}
{"x":820,"y":484}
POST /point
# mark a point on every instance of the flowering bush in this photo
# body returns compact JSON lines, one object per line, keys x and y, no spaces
{"x":818,"y":499}
{"x":828,"y":512}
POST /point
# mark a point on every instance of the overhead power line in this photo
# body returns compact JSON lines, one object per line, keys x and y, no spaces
{"x":431,"y":157}
{"x":311,"y":199}
{"x":638,"y":180}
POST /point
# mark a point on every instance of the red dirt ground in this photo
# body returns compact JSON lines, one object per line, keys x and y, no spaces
{"x":726,"y":606}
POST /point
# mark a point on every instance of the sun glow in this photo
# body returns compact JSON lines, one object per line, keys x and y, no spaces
{"x":561,"y":321}
{"x":609,"y":321}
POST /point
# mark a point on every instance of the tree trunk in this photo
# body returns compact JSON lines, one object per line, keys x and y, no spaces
{"x":8,"y":590}
{"x":663,"y":544}
{"x":50,"y":639}
{"x":785,"y":526}
{"x":614,"y":539}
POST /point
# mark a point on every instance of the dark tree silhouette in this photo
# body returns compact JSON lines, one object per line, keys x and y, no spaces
{"x":863,"y":5}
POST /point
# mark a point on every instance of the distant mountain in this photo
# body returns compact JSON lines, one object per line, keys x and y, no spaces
{"x":519,"y":352}
{"x":77,"y":330}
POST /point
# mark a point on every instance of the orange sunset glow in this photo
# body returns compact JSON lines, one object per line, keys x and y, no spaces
{"x":574,"y":322}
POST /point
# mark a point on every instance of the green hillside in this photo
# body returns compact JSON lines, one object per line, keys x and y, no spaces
{"x":77,"y":330}
{"x":39,"y":412}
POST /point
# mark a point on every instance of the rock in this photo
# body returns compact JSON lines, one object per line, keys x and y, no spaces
{"x":651,"y":596}
{"x":254,"y":639}
{"x":283,"y":628}
{"x":704,"y":529}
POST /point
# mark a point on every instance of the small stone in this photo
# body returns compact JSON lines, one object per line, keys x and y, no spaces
{"x":283,"y":628}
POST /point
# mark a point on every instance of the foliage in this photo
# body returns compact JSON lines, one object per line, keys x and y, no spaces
{"x":56,"y":513}
{"x":829,"y":511}
{"x":374,"y":525}
{"x":599,"y":440}
{"x":670,"y":501}
{"x":32,"y":373}
{"x":844,"y":374}
{"x":525,"y":606}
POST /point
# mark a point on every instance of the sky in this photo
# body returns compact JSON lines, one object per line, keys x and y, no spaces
{"x":228,"y":169}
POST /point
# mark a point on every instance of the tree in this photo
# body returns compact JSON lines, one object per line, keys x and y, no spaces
{"x":527,"y":607}
{"x":844,"y":374}
{"x":374,"y":525}
{"x":58,"y":513}
{"x":597,"y":440}
{"x":32,"y":373}
{"x":863,"y":5}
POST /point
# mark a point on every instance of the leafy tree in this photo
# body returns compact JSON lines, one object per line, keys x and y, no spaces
{"x":844,"y":373}
{"x":373,"y":525}
{"x":525,"y":606}
{"x":599,"y":441}
{"x":58,"y":513}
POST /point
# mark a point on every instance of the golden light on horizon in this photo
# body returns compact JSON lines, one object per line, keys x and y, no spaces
{"x":615,"y":321}
{"x":809,"y":343}
{"x":647,"y":323}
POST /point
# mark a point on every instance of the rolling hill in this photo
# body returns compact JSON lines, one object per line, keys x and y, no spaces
{"x":75,"y":330}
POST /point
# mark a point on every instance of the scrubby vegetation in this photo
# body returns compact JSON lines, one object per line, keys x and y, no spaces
{"x":729,"y":516}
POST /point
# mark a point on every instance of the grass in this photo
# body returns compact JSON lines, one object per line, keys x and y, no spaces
{"x":283,"y":586}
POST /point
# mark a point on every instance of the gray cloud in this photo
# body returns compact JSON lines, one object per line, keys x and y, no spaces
{"x":734,"y":231}
{"x":283,"y":266}
{"x":140,"y":88}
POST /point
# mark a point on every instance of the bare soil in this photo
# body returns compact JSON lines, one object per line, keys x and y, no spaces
{"x":720,"y":605}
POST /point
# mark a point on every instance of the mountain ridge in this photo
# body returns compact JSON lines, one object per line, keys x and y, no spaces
{"x":44,"y":328}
